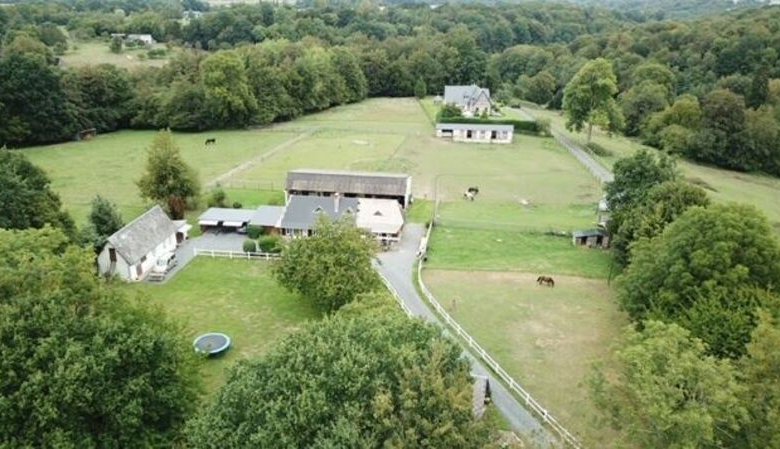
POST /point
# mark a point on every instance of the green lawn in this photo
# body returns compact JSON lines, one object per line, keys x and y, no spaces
{"x":374,"y":115}
{"x":237,"y":297}
{"x":546,"y":338}
{"x":457,"y":248}
{"x":110,"y":164}
{"x":81,"y":53}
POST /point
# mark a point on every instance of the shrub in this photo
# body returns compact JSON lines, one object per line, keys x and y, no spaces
{"x":250,"y":246}
{"x":157,"y":53}
{"x":237,"y":205}
{"x":217,"y":198}
{"x":270,"y":244}
{"x":598,"y":150}
{"x":253,"y":232}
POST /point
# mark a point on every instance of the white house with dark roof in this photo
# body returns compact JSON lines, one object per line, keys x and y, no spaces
{"x":477,"y":133}
{"x":133,"y":250}
{"x":313,"y":182}
{"x":472,"y":100}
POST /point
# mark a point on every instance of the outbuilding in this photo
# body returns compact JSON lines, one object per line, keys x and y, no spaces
{"x":225,"y":219}
{"x":478,"y":133}
{"x":313,"y":182}
{"x":592,"y":238}
{"x":132,"y":251}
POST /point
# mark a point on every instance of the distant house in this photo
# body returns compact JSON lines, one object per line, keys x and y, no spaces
{"x":133,"y":250}
{"x":310,"y":182}
{"x":472,"y":100}
{"x":145,"y":39}
{"x":479,"y":133}
{"x":592,"y":238}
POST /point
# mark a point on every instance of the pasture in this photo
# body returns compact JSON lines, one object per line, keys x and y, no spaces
{"x":237,"y":297}
{"x":81,"y":53}
{"x":110,"y":164}
{"x":546,"y":338}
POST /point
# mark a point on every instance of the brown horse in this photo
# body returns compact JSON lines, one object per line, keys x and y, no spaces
{"x":545,"y":280}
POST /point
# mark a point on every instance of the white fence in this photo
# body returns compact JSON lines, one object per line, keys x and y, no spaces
{"x":395,"y":294}
{"x":533,"y":405}
{"x":235,"y":254}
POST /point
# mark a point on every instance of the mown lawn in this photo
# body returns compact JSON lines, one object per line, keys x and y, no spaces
{"x":236,"y":297}
{"x":81,"y":53}
{"x":546,"y":338}
{"x":110,"y":164}
{"x":456,"y":248}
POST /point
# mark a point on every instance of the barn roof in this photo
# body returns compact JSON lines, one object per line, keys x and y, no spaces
{"x":474,"y":127}
{"x":267,"y":216}
{"x":588,"y":233}
{"x":142,"y":235}
{"x":360,"y":183}
{"x":303,"y":211}
{"x":217,"y":214}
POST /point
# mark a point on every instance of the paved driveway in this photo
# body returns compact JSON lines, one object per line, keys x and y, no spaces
{"x":397,"y":266}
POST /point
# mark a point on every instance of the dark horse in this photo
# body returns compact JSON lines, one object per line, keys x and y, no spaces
{"x":473,"y":190}
{"x":545,"y":280}
{"x":211,"y":141}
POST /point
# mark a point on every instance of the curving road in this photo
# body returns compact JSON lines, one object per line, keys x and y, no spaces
{"x":397,"y":268}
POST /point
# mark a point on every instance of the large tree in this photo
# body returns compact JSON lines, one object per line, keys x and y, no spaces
{"x":365,"y":380}
{"x":667,"y":393}
{"x":228,"y":95}
{"x":104,"y":220}
{"x":332,"y":266}
{"x":82,"y":366}
{"x":167,"y":179}
{"x":710,"y":270}
{"x":26,"y":201}
{"x":589,"y":97}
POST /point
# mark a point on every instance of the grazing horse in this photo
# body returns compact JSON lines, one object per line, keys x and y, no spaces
{"x":473,"y":190}
{"x":545,"y":280}
{"x":468,"y":195}
{"x":211,"y":141}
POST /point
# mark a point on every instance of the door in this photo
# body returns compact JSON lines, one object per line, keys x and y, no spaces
{"x":139,"y":270}
{"x":112,"y":254}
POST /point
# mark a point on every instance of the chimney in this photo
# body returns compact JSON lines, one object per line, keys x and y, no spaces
{"x":336,"y":197}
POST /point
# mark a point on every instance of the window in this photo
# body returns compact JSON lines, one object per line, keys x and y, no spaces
{"x":143,"y":259}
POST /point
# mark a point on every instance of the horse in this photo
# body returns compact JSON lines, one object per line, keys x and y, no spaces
{"x":468,"y":195}
{"x":545,"y":280}
{"x":211,"y":141}
{"x":473,"y":190}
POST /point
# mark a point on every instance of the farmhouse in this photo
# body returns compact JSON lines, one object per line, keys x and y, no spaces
{"x":472,"y":100}
{"x":478,"y":133}
{"x":133,"y":250}
{"x":392,"y":186}
{"x":383,"y":218}
{"x":302,"y":212}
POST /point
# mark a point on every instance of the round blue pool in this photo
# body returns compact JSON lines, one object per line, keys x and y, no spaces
{"x":213,"y":343}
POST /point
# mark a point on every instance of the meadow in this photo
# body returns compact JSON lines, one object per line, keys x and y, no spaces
{"x":236,"y":297}
{"x":83,"y":53}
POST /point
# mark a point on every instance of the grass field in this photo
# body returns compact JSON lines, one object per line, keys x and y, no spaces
{"x":83,"y":53}
{"x":722,"y":185}
{"x":110,"y":164}
{"x":546,"y":338}
{"x":236,"y":297}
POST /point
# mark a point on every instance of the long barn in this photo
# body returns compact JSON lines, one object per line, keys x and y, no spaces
{"x":312,"y":182}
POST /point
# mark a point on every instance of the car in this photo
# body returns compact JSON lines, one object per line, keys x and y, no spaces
{"x":163,"y":265}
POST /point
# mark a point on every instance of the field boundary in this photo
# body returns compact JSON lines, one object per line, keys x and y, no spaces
{"x":235,"y":254}
{"x":532,"y":404}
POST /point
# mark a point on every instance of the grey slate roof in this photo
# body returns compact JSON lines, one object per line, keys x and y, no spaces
{"x":588,"y":233}
{"x":226,"y":214}
{"x":336,"y":181}
{"x":267,"y":216}
{"x":142,"y":235}
{"x":303,"y":211}
{"x":464,"y":96}
{"x":474,"y":127}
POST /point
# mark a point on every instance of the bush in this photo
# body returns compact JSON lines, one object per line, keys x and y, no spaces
{"x":250,"y":246}
{"x":598,"y":150}
{"x":270,"y":244}
{"x":237,"y":205}
{"x":217,"y":198}
{"x":157,"y":53}
{"x":253,"y":232}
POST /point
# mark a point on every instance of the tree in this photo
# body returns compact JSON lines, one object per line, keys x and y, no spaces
{"x":538,"y":88}
{"x":419,"y":88}
{"x":116,"y":44}
{"x":83,"y":366}
{"x":657,"y":74}
{"x":663,"y":204}
{"x":590,"y":94}
{"x":668,"y":393}
{"x":722,"y":139}
{"x":635,"y":176}
{"x":370,"y":379}
{"x":104,"y":221}
{"x":332,"y":266}
{"x":167,"y":179}
{"x":450,"y":111}
{"x":709,"y":271}
{"x":761,"y":375}
{"x":228,"y":96}
{"x":103,"y":96}
{"x":26,"y":201}
{"x":639,"y":102}
{"x":758,"y":93}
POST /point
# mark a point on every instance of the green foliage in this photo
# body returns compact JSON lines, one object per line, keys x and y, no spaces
{"x":635,"y":176}
{"x":668,"y":393}
{"x":270,"y":243}
{"x":104,"y":220}
{"x":228,"y":96}
{"x":538,"y":88}
{"x":598,"y":150}
{"x":167,"y":179}
{"x":639,"y":102}
{"x":249,"y":246}
{"x":77,"y":353}
{"x":331,"y":267}
{"x":102,"y":95}
{"x":253,"y":232}
{"x":420,"y":90}
{"x":237,"y":205}
{"x":26,"y":201}
{"x":590,"y":96}
{"x":371,"y":379}
{"x":709,"y":270}
{"x":116,"y":45}
{"x":217,"y":198}
{"x":449,"y":112}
